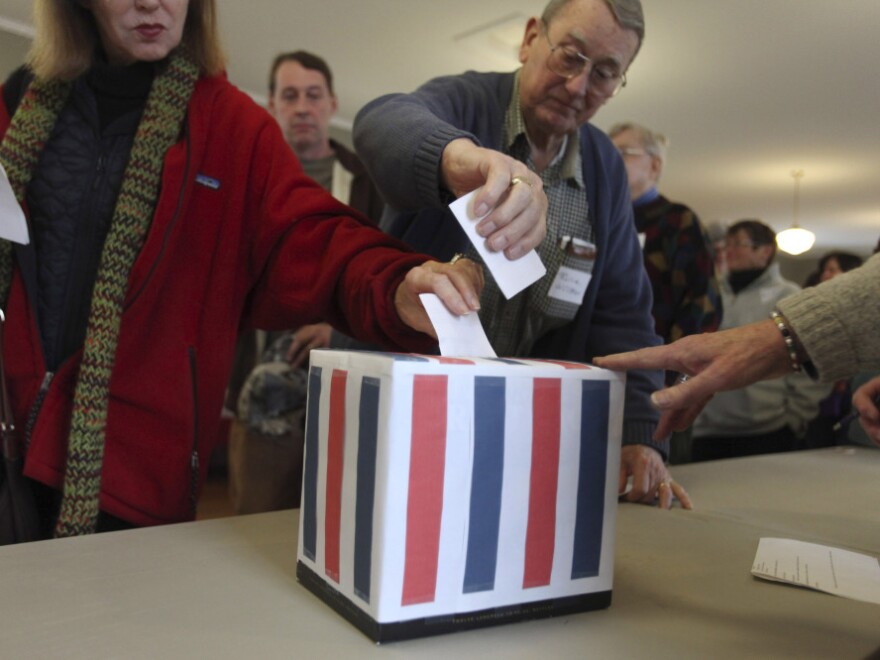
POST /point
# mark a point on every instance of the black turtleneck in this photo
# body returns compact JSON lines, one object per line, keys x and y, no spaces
{"x":740,"y":279}
{"x":120,"y":89}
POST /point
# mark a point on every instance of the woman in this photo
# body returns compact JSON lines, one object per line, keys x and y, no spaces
{"x":166,"y":214}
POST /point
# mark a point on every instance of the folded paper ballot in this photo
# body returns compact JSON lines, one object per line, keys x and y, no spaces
{"x":820,"y":567}
{"x":463,"y":336}
{"x":442,"y":494}
{"x":511,"y":276}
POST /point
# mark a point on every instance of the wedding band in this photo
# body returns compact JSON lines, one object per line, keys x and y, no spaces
{"x":456,"y":257}
{"x":663,"y":483}
{"x":520,"y":179}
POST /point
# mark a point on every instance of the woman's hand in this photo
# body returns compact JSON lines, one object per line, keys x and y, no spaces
{"x":457,"y":284}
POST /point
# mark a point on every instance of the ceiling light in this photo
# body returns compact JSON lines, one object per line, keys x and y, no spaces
{"x":796,"y":240}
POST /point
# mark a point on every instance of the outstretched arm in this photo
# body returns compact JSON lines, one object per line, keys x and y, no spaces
{"x":714,"y":362}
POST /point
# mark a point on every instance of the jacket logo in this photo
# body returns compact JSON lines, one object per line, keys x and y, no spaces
{"x":208,"y":182}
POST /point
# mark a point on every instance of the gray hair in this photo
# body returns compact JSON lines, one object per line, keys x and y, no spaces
{"x":627,"y":13}
{"x":653,"y":143}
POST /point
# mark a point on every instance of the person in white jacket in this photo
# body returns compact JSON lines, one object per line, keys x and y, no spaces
{"x":769,"y":416}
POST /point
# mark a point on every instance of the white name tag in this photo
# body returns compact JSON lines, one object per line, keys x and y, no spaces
{"x":643,"y":237}
{"x":570,"y":285}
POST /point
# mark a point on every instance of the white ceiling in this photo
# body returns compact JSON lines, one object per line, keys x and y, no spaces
{"x":746,"y":90}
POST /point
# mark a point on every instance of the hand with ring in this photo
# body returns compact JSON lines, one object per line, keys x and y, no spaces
{"x":510,"y":201}
{"x":651,"y":481}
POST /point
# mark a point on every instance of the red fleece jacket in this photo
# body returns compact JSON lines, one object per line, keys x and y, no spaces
{"x":240,"y":238}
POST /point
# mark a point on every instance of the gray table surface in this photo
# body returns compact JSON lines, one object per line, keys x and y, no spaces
{"x":226,"y":588}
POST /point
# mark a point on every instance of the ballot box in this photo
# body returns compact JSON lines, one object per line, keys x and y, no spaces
{"x":442,"y":494}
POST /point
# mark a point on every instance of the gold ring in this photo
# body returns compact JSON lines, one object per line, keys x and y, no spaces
{"x":456,"y":257}
{"x":663,"y":483}
{"x":520,"y":179}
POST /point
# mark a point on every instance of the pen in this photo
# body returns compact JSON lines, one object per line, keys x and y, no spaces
{"x":849,"y":418}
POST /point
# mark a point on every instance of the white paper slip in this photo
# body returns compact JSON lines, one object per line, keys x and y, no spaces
{"x":13,"y":226}
{"x":821,"y":567}
{"x":511,"y":276}
{"x":460,"y":336}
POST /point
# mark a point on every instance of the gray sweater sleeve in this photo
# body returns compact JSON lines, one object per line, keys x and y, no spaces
{"x":838,"y":322}
{"x":401,"y":137}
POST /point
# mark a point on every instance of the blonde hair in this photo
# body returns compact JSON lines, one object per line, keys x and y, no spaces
{"x":66,"y":39}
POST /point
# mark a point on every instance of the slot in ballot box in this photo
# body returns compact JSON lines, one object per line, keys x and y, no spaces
{"x":443,"y":494}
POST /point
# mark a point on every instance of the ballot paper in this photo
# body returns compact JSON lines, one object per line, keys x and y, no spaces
{"x":459,"y":336}
{"x":821,"y":567}
{"x":13,"y":226}
{"x":511,"y":276}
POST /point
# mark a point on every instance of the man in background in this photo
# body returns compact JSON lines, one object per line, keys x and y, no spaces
{"x":675,"y":246}
{"x":768,"y":416}
{"x":265,"y":457}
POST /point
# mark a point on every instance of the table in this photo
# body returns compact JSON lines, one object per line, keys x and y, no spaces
{"x":226,"y":588}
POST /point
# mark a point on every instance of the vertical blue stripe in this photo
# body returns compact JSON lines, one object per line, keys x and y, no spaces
{"x":368,"y":432}
{"x":513,"y":363}
{"x":595,"y":399}
{"x":310,"y":471}
{"x":402,"y":357}
{"x":486,"y":481}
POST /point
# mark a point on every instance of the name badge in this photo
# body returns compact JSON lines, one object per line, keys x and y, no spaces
{"x":570,"y":285}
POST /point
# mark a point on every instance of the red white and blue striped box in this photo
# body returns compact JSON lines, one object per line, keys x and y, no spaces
{"x":442,"y":494}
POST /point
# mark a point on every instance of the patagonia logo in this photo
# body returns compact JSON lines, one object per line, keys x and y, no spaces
{"x":208,"y":182}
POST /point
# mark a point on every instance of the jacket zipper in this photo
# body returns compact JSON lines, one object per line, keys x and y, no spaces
{"x":194,"y":457}
{"x":35,"y":409}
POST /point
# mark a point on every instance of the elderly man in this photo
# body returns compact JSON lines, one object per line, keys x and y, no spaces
{"x":523,"y":139}
{"x":675,"y":246}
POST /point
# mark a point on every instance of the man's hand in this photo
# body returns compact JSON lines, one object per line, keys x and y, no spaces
{"x":305,"y":339}
{"x":866,"y":400}
{"x":651,"y":481}
{"x":715,"y":362}
{"x":458,"y":285}
{"x":513,"y":193}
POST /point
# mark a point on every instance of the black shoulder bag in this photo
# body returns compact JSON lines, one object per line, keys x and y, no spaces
{"x":19,"y":521}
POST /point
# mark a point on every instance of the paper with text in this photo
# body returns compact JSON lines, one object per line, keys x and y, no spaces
{"x":821,"y":567}
{"x":460,"y":336}
{"x":511,"y":276}
{"x":13,"y":226}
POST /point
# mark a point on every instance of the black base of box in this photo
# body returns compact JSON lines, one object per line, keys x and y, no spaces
{"x":438,"y":625}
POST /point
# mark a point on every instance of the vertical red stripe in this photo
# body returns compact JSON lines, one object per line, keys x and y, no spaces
{"x":335,"y":451}
{"x":451,"y":360}
{"x":425,"y":501}
{"x":541,"y":530}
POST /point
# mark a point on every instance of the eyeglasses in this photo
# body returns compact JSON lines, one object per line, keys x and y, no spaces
{"x":568,"y":62}
{"x":632,"y":151}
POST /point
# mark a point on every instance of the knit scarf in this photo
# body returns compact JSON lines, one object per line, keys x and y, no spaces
{"x":159,"y":129}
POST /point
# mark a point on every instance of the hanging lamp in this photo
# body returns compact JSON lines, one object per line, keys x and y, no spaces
{"x":796,"y":240}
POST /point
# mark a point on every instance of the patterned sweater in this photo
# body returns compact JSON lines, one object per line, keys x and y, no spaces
{"x":679,"y":265}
